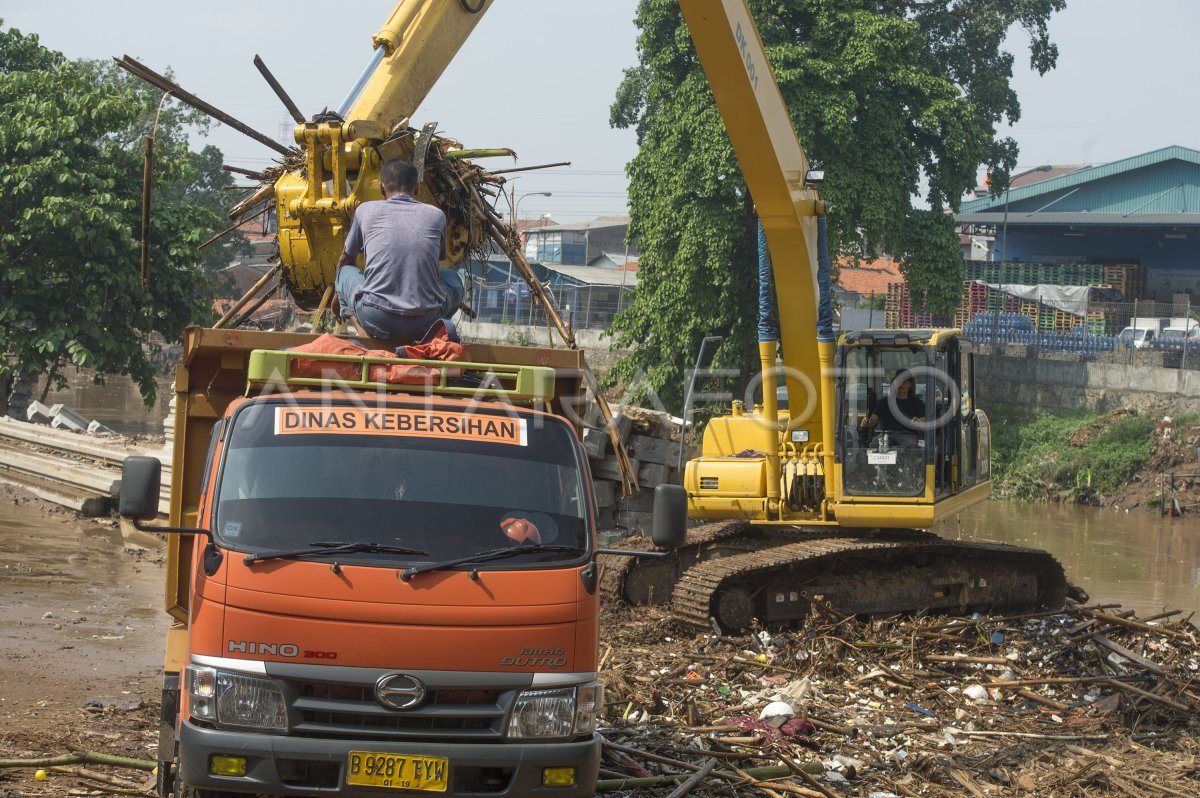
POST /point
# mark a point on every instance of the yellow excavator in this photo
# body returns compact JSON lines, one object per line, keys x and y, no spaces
{"x":818,"y":501}
{"x":803,"y":503}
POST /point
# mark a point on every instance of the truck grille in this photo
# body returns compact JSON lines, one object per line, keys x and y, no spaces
{"x":325,"y":709}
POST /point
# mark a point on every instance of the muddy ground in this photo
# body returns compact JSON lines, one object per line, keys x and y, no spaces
{"x":80,"y":623}
{"x":899,"y":707}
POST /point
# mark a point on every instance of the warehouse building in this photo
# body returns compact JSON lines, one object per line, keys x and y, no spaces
{"x":1142,"y":211}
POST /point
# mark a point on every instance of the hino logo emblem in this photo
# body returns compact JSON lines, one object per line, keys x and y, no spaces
{"x":399,"y":691}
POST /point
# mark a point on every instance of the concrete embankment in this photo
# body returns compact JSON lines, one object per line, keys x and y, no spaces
{"x":70,"y":469}
{"x":1062,"y":382}
{"x":600,"y":357}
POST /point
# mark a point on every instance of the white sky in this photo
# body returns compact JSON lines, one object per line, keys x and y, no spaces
{"x":539,"y":75}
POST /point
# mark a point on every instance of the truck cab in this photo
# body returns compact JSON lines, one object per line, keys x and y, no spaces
{"x":1136,"y":337}
{"x":386,"y":587}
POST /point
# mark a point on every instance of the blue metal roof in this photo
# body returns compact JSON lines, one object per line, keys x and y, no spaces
{"x":1164,"y":181}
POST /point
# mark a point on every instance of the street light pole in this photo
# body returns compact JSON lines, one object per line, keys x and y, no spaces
{"x":1003,"y":247}
{"x":517,"y":202}
{"x":514,"y":203}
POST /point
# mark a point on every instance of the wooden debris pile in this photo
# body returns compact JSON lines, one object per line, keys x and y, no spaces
{"x":651,"y":439}
{"x":1088,"y":701}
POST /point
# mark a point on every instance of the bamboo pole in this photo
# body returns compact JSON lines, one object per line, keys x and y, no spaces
{"x":241,"y":303}
{"x":76,"y":757}
{"x":612,"y":785}
{"x":505,"y":238}
{"x":278,"y":89}
{"x":154,"y":79}
{"x":326,"y":300}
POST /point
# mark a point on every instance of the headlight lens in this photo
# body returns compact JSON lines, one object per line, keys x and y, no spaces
{"x":235,"y":699}
{"x":589,"y":701}
{"x":563,"y":712}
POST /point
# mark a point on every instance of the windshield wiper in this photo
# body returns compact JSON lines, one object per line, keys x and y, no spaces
{"x":330,"y":547}
{"x":482,"y":556}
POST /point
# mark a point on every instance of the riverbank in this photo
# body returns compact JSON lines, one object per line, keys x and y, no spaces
{"x":1088,"y":701}
{"x":1122,"y":459}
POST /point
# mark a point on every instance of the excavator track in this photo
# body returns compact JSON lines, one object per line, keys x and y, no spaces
{"x":736,"y":574}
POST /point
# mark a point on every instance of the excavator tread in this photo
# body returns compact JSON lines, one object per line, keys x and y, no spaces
{"x":614,"y":579}
{"x":694,"y":594}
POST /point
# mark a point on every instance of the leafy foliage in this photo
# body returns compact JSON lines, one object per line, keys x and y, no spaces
{"x":1075,"y":456}
{"x":71,"y":151}
{"x":895,"y":100}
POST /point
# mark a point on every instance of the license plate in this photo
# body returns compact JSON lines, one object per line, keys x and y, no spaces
{"x":397,"y":771}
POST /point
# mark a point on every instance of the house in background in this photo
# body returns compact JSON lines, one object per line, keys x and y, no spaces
{"x":587,"y":296}
{"x":1143,"y":210}
{"x":859,"y":282}
{"x":861,"y":290}
{"x":578,"y":244}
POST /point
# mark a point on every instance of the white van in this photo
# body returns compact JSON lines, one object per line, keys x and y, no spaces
{"x":1136,"y":337}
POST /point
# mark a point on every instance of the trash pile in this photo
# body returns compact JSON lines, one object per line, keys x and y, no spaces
{"x":1085,"y":701}
{"x":651,"y":440}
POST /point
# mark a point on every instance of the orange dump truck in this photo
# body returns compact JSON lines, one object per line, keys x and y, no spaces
{"x":376,"y":588}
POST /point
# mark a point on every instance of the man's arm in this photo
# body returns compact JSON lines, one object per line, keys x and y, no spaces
{"x":354,"y":244}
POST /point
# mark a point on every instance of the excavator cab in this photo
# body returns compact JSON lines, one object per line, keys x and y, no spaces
{"x":908,"y":435}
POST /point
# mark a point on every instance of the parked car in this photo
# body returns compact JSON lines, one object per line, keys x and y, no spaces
{"x":1136,"y":337}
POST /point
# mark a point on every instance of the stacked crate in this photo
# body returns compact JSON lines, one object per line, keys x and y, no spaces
{"x":1129,"y":279}
{"x":898,"y":311}
{"x":897,"y":296}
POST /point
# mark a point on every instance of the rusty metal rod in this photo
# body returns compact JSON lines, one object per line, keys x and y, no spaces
{"x":237,"y":170}
{"x":279,"y":92}
{"x":229,"y":230}
{"x":154,"y":79}
{"x":147,"y":181}
{"x":528,"y":168}
{"x":241,"y":303}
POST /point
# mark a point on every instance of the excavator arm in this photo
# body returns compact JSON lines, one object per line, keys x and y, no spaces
{"x":315,"y":198}
{"x":412,"y":50}
{"x":778,"y":177}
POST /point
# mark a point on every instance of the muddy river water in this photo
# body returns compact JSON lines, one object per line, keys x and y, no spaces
{"x":1137,"y":559}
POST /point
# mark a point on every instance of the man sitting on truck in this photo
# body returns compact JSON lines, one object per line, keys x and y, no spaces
{"x":402,"y":292}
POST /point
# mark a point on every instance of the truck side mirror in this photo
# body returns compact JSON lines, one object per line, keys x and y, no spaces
{"x":669,"y":529}
{"x":140,"y":480}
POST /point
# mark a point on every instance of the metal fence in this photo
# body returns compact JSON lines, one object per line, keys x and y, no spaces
{"x":585,"y":307}
{"x":1125,"y":331}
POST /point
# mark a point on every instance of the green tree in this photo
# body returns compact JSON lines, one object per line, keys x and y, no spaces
{"x":71,"y":150}
{"x":898,"y":101}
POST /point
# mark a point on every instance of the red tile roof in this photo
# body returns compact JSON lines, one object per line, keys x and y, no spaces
{"x":868,"y":276}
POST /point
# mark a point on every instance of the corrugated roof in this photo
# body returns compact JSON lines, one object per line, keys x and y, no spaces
{"x":1189,"y":220}
{"x":614,"y":260}
{"x":590,"y":275}
{"x":594,"y":224}
{"x":1155,"y":191}
{"x":869,"y":276}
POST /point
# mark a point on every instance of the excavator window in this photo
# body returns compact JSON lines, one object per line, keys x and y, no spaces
{"x":883,"y":449}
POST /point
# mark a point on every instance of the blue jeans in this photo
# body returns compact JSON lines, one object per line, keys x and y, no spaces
{"x":391,"y":326}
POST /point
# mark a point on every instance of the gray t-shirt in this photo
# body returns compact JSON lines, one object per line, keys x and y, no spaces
{"x":403,"y":239}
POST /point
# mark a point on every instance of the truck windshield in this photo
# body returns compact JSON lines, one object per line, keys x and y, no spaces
{"x":424,"y":485}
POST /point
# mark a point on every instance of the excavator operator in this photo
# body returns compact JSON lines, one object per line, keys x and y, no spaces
{"x":901,"y":419}
{"x":402,"y":292}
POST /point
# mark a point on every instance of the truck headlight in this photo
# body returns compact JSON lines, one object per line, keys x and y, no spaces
{"x":562,"y":713}
{"x":228,"y":698}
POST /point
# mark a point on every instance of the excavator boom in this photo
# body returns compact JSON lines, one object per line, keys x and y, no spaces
{"x":412,"y":50}
{"x":776,"y":172}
